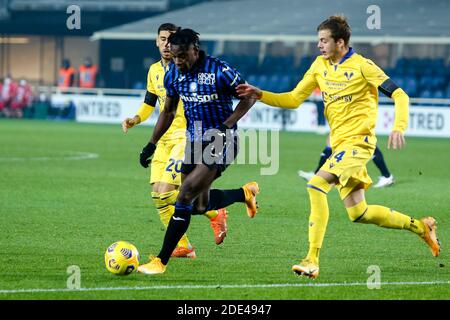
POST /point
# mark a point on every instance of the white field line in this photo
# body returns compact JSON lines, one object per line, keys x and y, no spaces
{"x":228,"y":286}
{"x":75,"y":156}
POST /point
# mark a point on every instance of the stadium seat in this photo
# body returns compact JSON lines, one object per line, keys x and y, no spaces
{"x":447,"y":71}
{"x":401,"y":63}
{"x":284,"y":63}
{"x":438,"y":63}
{"x":272,"y":82}
{"x":391,"y":72}
{"x":226,"y":58}
{"x":252,"y":63}
{"x":410,"y":86}
{"x":399,"y":81}
{"x":448,"y":92}
{"x":252,"y":79}
{"x":263,"y":81}
{"x":426,"y":94}
{"x":425,"y":82}
{"x":437,"y":82}
{"x":425,"y":78}
{"x":285,"y":83}
{"x":269,"y":65}
{"x":410,"y":71}
{"x":439,"y":94}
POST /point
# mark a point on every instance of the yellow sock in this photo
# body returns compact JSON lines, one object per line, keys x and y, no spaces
{"x":384,"y":217}
{"x":211,"y":214}
{"x":318,"y":189}
{"x":165,"y":204}
{"x":313,"y":254}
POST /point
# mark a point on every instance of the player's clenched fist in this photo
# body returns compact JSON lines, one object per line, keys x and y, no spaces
{"x":146,"y":154}
{"x":130,"y":123}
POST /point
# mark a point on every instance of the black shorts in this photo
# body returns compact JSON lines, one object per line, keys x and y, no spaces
{"x":204,"y":153}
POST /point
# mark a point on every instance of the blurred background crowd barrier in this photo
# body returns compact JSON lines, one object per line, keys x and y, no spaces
{"x":272,"y":43}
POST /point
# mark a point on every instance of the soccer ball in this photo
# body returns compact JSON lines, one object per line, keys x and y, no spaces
{"x":121,"y":258}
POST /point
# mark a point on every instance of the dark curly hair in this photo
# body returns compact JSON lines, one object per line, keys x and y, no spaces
{"x":185,"y":37}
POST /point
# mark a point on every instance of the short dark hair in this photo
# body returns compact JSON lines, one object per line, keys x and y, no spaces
{"x":338,"y":27}
{"x":167,"y":27}
{"x":185,"y":37}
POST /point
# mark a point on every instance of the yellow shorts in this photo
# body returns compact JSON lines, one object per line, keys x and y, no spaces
{"x":348,"y":163}
{"x":167,"y":161}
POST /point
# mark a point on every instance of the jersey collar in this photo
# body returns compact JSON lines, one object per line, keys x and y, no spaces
{"x":350,"y":52}
{"x":166,"y":68}
{"x":347,"y":55}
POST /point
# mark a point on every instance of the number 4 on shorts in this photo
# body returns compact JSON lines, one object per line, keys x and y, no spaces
{"x":339,"y":156}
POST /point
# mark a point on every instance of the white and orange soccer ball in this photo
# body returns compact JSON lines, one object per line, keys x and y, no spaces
{"x":122,"y":258}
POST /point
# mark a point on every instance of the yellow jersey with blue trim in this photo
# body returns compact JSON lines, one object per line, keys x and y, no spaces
{"x":155,"y":85}
{"x":349,"y":91}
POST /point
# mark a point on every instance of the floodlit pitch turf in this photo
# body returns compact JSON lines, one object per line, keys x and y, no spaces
{"x":58,"y":209}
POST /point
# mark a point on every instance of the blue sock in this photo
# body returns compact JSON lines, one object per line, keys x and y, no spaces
{"x":378,"y":159}
{"x":223,"y":198}
{"x":178,"y":226}
{"x":326,"y":153}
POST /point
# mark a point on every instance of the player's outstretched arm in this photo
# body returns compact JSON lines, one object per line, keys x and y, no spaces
{"x":286,"y":100}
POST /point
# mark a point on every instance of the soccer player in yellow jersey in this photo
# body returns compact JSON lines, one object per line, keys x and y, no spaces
{"x":165,"y":176}
{"x":349,"y":84}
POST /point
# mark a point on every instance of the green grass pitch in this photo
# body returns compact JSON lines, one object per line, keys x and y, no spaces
{"x":57,"y":211}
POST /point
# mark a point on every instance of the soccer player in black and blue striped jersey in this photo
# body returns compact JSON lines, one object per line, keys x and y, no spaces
{"x":207,"y":86}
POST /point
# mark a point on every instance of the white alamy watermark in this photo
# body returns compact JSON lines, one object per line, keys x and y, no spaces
{"x":373,"y":22}
{"x":74,"y":279}
{"x":213,"y":146}
{"x":260,"y":147}
{"x":374,"y":280}
{"x":73,"y":21}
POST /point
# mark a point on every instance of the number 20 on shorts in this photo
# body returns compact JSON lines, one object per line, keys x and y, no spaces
{"x":174,"y":163}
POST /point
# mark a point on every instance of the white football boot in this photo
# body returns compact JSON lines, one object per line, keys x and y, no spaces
{"x":384,"y":182}
{"x":307,"y":175}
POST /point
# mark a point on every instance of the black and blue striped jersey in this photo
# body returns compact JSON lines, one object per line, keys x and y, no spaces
{"x":207,"y":92}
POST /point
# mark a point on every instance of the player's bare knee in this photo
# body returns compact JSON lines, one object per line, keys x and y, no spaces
{"x":162,"y":187}
{"x":155,"y":187}
{"x":167,"y":188}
